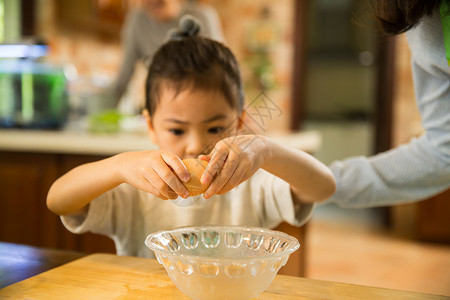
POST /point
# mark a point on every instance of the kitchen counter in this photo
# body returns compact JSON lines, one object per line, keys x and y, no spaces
{"x":81,"y":142}
{"x":108,"y":276}
{"x":19,"y":262}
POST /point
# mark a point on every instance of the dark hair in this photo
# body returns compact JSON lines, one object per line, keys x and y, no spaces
{"x":397,"y":16}
{"x":194,"y":62}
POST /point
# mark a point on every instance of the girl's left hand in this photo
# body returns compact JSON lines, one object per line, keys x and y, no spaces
{"x":233,"y":161}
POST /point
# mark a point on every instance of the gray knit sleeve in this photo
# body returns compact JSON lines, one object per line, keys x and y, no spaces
{"x":130,"y":53}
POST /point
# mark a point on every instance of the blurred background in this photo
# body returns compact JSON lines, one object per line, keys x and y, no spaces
{"x":322,"y":63}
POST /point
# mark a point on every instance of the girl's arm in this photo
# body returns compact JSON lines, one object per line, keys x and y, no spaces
{"x":310,"y":180}
{"x":237,"y":158}
{"x":73,"y":191}
{"x":155,"y":172}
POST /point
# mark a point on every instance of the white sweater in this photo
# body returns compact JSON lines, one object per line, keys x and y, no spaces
{"x":128,"y":215}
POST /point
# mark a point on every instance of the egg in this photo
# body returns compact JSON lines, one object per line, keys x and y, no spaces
{"x":196,"y":167}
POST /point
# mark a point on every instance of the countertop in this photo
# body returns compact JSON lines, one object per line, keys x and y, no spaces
{"x":71,"y":141}
{"x":108,"y":276}
{"x":19,"y":262}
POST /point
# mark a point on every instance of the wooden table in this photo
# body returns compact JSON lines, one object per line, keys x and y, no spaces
{"x":19,"y":262}
{"x":107,"y":276}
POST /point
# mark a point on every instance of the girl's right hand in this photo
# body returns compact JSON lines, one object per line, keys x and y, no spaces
{"x":155,"y":172}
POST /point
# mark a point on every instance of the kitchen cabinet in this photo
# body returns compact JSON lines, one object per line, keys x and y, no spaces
{"x":25,"y":179}
{"x":433,"y":222}
{"x":425,"y":220}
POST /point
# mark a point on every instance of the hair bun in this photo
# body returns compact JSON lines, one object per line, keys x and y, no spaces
{"x":187,"y":26}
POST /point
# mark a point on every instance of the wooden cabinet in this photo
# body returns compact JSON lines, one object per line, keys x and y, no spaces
{"x":25,"y":179}
{"x":433,"y":221}
{"x":24,"y":182}
{"x":426,"y":220}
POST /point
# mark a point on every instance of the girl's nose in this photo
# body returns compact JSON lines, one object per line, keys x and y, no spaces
{"x":197,"y":145}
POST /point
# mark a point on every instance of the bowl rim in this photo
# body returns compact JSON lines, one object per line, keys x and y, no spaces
{"x":293,"y":246}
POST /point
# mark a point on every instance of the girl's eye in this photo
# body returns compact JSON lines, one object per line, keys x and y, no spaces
{"x":176,"y":131}
{"x":215,"y":130}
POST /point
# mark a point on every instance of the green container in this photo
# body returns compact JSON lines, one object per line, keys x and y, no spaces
{"x":32,"y":95}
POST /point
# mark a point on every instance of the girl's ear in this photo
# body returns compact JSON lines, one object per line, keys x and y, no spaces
{"x":247,"y":125}
{"x":150,"y":129}
{"x":241,"y":120}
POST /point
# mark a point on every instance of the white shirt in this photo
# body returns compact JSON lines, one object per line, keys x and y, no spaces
{"x":128,"y":215}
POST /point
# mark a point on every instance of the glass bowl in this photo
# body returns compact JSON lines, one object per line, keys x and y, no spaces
{"x":222,"y":262}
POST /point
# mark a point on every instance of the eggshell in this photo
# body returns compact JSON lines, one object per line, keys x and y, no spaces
{"x":196,"y":167}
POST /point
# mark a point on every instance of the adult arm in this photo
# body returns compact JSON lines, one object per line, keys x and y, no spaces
{"x":421,"y":168}
{"x":130,"y":55}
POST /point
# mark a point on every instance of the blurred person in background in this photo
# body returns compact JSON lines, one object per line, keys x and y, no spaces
{"x":421,"y":168}
{"x":146,"y":28}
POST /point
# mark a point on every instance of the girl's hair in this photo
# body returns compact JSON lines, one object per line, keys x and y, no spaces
{"x":194,"y":62}
{"x":397,"y":16}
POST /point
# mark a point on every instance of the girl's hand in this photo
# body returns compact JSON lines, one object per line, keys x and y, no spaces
{"x":233,"y":161}
{"x":155,"y":172}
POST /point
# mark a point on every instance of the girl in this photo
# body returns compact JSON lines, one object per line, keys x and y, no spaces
{"x":194,"y":104}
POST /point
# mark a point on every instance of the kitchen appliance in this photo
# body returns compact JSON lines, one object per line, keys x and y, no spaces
{"x":33,"y":93}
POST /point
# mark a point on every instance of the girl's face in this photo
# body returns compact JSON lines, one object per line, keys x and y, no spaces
{"x":192,"y":122}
